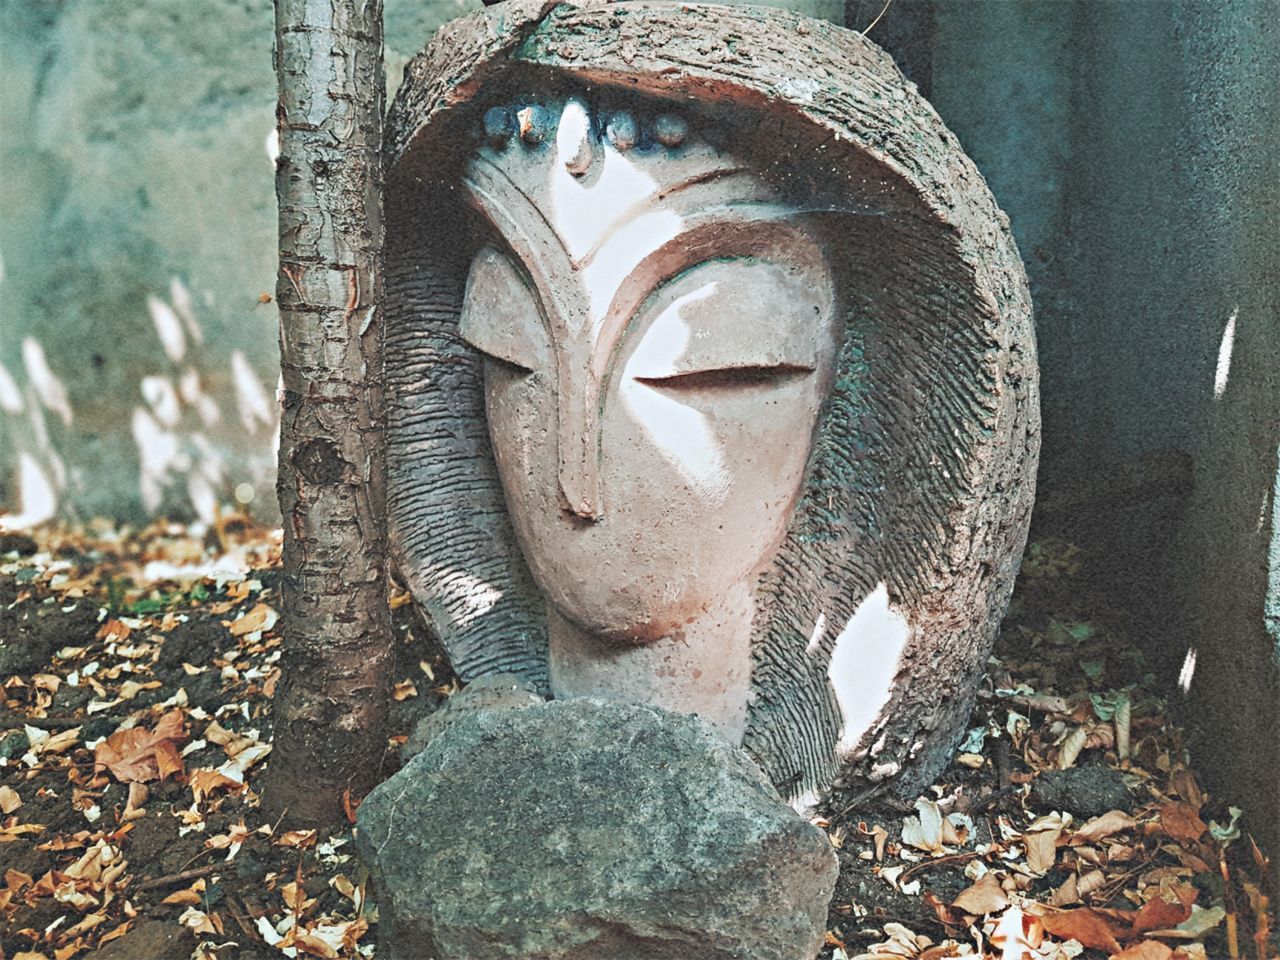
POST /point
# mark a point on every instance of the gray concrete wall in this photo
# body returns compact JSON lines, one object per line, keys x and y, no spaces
{"x":137,"y":366}
{"x":1136,"y":148}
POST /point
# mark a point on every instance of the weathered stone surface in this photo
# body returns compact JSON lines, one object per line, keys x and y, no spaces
{"x":875,"y":609}
{"x":582,"y":829}
{"x":1086,"y":791}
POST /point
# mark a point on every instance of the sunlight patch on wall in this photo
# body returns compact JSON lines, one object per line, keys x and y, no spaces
{"x":1223,"y":370}
{"x":10,"y":395}
{"x":47,"y":386}
{"x":168,"y":329}
{"x":1188,"y":671}
{"x":38,"y":500}
{"x":864,"y":663}
{"x":255,"y":407}
{"x":183,"y":306}
{"x":163,"y":399}
{"x":1271,"y":604}
{"x":193,"y":395}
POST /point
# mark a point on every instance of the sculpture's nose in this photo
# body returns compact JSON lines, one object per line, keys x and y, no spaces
{"x":578,"y":441}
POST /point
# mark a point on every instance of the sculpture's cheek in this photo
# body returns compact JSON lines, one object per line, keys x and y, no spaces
{"x":700,"y":486}
{"x":521,"y":410}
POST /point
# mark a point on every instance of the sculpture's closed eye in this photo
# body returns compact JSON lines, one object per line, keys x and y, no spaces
{"x":509,"y":367}
{"x":730,"y":378}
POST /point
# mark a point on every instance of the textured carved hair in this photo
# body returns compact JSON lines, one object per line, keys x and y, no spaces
{"x":922,"y":472}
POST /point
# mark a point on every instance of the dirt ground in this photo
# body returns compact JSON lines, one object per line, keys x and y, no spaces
{"x":138,"y":669}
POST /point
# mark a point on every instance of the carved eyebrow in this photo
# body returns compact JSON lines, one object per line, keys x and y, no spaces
{"x":685,"y":195}
{"x":738,"y":231}
{"x":494,"y":194}
{"x":542,"y":250}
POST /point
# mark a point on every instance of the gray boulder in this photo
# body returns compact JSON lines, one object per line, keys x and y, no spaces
{"x":580,"y":830}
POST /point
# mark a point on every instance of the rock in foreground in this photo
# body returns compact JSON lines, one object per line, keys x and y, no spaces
{"x":579,"y":829}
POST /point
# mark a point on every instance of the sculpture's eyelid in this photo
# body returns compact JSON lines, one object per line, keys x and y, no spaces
{"x":503,"y":359}
{"x":731,"y":375}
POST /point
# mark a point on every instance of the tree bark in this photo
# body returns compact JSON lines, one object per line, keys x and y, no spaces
{"x":330,"y":709}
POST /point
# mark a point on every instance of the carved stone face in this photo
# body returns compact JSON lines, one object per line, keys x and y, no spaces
{"x":659,"y":334}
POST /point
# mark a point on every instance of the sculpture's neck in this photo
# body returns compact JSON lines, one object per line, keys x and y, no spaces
{"x":706,"y":669}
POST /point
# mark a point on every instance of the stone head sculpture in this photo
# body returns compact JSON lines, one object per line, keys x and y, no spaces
{"x":710,"y":376}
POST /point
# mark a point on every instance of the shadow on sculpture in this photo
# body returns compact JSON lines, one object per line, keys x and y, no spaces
{"x":711,"y":389}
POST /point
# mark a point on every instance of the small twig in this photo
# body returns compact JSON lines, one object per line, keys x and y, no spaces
{"x":240,"y":913}
{"x":1116,"y":884}
{"x":860,"y":799}
{"x":992,"y":799}
{"x":883,"y":11}
{"x":930,"y":864}
{"x":183,"y":875}
{"x":1003,"y":766}
{"x":48,"y":723}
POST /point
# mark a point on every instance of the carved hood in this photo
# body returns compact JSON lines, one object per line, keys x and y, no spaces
{"x":921,"y":480}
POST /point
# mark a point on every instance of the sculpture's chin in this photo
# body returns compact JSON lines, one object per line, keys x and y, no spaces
{"x":626,"y":616}
{"x":622,"y":631}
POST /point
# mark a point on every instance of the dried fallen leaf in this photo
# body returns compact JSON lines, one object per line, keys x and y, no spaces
{"x":1146,"y":950}
{"x":183,"y":898}
{"x":205,"y":781}
{"x":983,"y":898}
{"x":1181,"y":821}
{"x":140,"y":755}
{"x":1077,"y":888}
{"x":197,"y":921}
{"x":9,"y":799}
{"x":115,"y":934}
{"x":1083,"y":924}
{"x":924,"y":832}
{"x":1114,"y":821}
{"x":1071,"y":747}
{"x":296,"y":838}
{"x":1195,"y":926}
{"x":1169,"y":907}
{"x":1042,"y":850}
{"x":113,"y":630}
{"x":261,"y":617}
{"x":314,"y":946}
{"x":134,"y":804}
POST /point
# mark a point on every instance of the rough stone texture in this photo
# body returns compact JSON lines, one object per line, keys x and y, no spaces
{"x":1084,"y":791}
{"x":921,"y":480}
{"x":654,"y":840}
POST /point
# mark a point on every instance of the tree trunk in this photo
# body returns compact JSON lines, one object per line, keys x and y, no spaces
{"x":332,"y":702}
